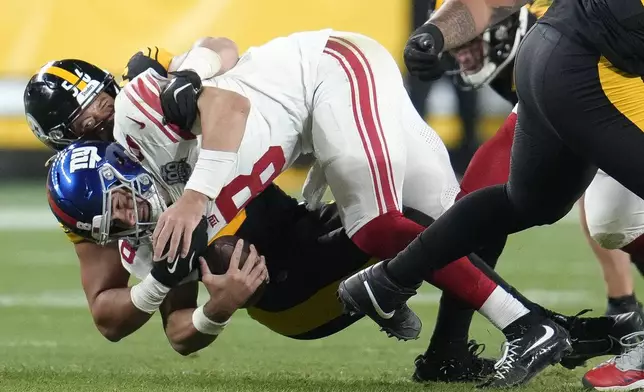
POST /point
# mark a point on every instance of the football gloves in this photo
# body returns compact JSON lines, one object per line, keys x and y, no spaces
{"x":179,"y":99}
{"x":422,"y":52}
{"x":171,"y":274}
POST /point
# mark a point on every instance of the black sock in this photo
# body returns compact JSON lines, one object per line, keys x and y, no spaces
{"x":452,"y":326}
{"x":477,"y":219}
{"x":622,"y":301}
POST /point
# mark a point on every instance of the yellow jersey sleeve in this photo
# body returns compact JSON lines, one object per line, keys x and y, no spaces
{"x":153,"y":57}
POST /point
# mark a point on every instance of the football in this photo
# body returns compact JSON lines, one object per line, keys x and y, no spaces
{"x":218,"y":258}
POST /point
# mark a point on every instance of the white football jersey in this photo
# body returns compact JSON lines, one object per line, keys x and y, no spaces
{"x":278,"y":78}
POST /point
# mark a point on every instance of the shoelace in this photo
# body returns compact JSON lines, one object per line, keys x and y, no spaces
{"x":475,"y":348}
{"x":504,"y":364}
{"x":633,"y":356}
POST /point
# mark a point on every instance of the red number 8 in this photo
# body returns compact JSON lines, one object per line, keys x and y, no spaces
{"x":241,"y":190}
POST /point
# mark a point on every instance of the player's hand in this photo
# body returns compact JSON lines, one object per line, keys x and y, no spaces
{"x":177,"y":224}
{"x":170,"y":273}
{"x":231,"y":291}
{"x":422,"y":53}
{"x":179,"y":99}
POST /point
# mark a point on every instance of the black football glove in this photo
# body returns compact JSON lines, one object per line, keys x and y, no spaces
{"x":171,"y":274}
{"x":179,"y":99}
{"x":422,"y":52}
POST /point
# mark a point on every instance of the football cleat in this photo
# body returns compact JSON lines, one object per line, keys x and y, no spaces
{"x":596,"y":336}
{"x":614,"y":310}
{"x":624,"y":372}
{"x":373,"y":293}
{"x":449,"y":366}
{"x":523,"y":358}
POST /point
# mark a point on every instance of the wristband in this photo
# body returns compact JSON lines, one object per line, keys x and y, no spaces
{"x":205,"y":62}
{"x":211,"y":172}
{"x":205,"y":325}
{"x":148,"y":294}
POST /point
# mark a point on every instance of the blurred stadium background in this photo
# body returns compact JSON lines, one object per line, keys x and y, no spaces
{"x":47,"y":340}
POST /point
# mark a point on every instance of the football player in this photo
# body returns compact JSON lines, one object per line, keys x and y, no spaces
{"x":310,"y":92}
{"x":578,"y":75}
{"x":54,"y":91}
{"x":101,"y":193}
{"x":489,"y":60}
{"x":318,"y":91}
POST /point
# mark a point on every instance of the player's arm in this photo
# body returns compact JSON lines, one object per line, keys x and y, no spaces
{"x":209,"y":56}
{"x":177,"y":312}
{"x":223,"y":122}
{"x":105,"y":283}
{"x":460,"y":21}
{"x":190,"y":328}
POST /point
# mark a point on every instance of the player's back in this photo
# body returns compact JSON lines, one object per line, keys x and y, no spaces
{"x":279,"y":78}
{"x":614,"y":27}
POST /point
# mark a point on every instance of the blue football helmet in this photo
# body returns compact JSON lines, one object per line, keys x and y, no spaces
{"x":81,"y":181}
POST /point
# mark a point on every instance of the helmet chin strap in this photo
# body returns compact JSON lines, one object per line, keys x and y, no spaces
{"x":478,"y":79}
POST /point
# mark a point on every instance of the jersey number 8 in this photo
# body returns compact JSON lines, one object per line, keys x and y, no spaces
{"x":234,"y":196}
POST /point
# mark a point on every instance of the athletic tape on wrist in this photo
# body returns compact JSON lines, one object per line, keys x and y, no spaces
{"x":148,"y":294}
{"x":205,"y":62}
{"x":211,"y":172}
{"x":205,"y":325}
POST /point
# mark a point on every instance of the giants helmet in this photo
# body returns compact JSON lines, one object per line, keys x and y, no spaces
{"x":80,"y":184}
{"x":481,"y":60}
{"x":58,"y":94}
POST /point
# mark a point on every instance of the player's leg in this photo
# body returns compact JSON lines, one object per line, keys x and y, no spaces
{"x":546,"y":178}
{"x":613,"y":217}
{"x":430,"y":186}
{"x":363,"y":153}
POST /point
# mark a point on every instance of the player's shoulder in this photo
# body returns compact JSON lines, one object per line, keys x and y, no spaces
{"x":153,"y":57}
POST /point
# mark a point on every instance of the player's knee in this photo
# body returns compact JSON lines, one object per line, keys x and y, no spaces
{"x":610,"y":240}
{"x":613,"y":232}
{"x":538,"y":211}
{"x":386,"y":235}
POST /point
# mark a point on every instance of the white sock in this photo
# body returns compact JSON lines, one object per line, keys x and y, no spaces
{"x":502,"y":309}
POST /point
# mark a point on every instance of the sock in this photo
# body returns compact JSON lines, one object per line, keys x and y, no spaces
{"x":479,"y":218}
{"x":502,"y":309}
{"x":386,"y":235}
{"x":452,"y":324}
{"x":623,"y":301}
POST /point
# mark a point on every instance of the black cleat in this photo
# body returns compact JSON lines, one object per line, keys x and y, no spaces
{"x":614,"y":310}
{"x":452,"y":366}
{"x":523,"y":358}
{"x":373,"y":293}
{"x":596,"y":336}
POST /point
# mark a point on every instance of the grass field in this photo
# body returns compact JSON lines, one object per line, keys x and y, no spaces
{"x":48,"y":341}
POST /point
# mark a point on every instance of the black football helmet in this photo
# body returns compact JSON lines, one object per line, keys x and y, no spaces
{"x":480,"y":61}
{"x":58,"y":94}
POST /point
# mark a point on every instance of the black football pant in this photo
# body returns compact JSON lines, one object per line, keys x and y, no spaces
{"x":576,"y":113}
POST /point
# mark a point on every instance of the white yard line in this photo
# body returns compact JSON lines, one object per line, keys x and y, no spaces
{"x":22,"y":218}
{"x":76,"y":298}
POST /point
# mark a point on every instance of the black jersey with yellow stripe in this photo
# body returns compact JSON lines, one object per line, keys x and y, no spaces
{"x":307,"y":254}
{"x":615,"y":28}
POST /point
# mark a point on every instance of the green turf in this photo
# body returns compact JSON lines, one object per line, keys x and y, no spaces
{"x":55,"y":347}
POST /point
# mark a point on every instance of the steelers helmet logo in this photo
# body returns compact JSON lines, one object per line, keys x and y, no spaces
{"x":35,"y":127}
